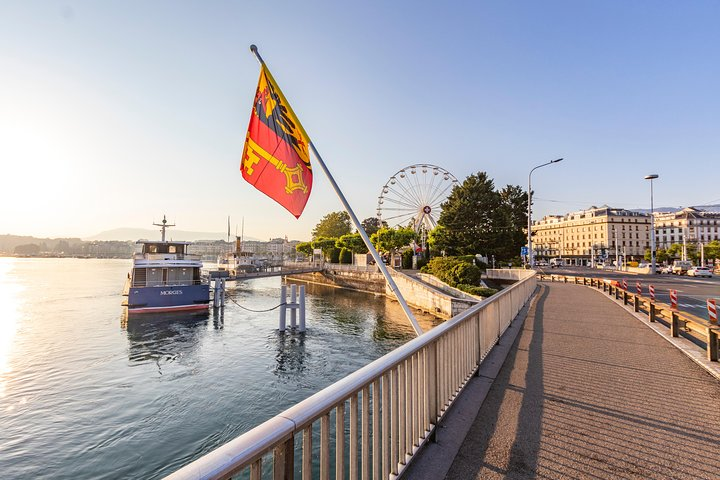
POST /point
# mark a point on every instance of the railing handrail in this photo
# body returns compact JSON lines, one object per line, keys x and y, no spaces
{"x":249,"y":446}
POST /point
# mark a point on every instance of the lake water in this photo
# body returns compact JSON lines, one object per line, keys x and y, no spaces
{"x":86,"y":393}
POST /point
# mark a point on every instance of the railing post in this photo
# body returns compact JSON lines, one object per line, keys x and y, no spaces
{"x":617,"y":293}
{"x":284,"y":460}
{"x":651,"y":311}
{"x":675,"y":325}
{"x":432,"y":386}
{"x":712,"y":345}
{"x":564,"y":278}
{"x":625,"y":297}
{"x":636,"y":303}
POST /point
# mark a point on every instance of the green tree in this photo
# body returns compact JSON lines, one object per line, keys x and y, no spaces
{"x":469,"y":217}
{"x":327,"y":246}
{"x":509,"y":223}
{"x":332,"y":225}
{"x":390,"y":240}
{"x":372,"y":225}
{"x":352,"y":242}
{"x":305,"y":248}
{"x":712,"y":250}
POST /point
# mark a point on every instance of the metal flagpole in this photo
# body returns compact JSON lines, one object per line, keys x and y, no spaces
{"x":360,"y":229}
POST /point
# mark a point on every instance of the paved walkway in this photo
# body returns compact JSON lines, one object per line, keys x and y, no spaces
{"x":588,"y":391}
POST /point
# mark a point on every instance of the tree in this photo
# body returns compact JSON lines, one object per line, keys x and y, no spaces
{"x":333,"y":225}
{"x":27,"y":249}
{"x":469,"y":216}
{"x":305,"y":248}
{"x":510,"y":222}
{"x":372,"y":225}
{"x":327,"y":246}
{"x":390,"y":240}
{"x":712,"y":250}
{"x":352,"y":242}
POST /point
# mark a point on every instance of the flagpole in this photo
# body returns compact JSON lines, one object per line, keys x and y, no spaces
{"x":360,"y":229}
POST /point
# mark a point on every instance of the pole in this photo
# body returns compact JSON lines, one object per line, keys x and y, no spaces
{"x":531,"y":257}
{"x":360,"y":229}
{"x":653,"y":266}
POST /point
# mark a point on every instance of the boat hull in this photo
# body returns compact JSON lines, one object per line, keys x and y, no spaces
{"x":170,"y":298}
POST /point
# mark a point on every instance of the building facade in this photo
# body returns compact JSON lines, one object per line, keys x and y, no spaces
{"x":593,"y":235}
{"x":689,"y":225}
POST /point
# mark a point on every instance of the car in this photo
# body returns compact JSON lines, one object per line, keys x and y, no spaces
{"x":699,"y":272}
{"x":667,"y":269}
{"x":541,"y":263}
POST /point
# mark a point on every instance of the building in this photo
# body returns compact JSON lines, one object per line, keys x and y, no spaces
{"x":689,"y":225}
{"x":592,"y":235}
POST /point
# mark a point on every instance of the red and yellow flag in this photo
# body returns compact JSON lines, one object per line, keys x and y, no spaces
{"x":275,"y":159}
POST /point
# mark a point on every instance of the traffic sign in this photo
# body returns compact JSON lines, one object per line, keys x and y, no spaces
{"x":523,"y":251}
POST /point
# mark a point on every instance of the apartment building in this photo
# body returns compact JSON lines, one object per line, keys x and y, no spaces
{"x":599,"y":232}
{"x":690,"y":224}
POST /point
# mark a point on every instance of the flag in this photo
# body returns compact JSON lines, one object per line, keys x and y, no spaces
{"x":275,"y":159}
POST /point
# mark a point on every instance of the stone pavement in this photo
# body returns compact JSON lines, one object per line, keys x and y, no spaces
{"x":586,"y":391}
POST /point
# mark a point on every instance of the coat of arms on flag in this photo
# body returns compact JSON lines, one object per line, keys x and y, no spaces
{"x":276,"y":159}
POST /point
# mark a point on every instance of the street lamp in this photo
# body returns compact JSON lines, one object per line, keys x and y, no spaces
{"x":652,"y":224}
{"x":531,"y":258}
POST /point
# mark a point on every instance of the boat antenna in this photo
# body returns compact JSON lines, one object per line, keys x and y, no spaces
{"x":163,"y":226}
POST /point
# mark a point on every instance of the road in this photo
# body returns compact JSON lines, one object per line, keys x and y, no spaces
{"x":693,"y":292}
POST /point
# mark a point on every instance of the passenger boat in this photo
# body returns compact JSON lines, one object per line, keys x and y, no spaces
{"x":165,"y":278}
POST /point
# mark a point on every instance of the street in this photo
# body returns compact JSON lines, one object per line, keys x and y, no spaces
{"x":693,"y":292}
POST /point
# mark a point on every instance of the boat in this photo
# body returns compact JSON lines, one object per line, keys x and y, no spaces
{"x":237,"y":262}
{"x":165,"y":277}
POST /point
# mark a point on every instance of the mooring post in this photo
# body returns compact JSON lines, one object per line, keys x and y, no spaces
{"x":283,"y":307}
{"x":222,"y":295}
{"x":293,"y":306}
{"x":302,"y":308}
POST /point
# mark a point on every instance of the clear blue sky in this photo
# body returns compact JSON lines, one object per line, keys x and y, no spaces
{"x":115,"y":113}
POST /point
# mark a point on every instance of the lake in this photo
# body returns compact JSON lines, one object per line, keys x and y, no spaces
{"x":88,"y":393}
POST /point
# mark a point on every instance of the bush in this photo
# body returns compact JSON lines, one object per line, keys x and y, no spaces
{"x":346,"y":256}
{"x":479,"y":291}
{"x":453,"y":271}
{"x":422,"y":263}
{"x":335,"y":255}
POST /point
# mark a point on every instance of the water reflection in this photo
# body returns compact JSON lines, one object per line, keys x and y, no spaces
{"x":163,"y":337}
{"x":290,"y":355}
{"x":10,"y":293}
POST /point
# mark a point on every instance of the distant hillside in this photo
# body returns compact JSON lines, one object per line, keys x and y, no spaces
{"x":707,"y":208}
{"x":133,"y":234}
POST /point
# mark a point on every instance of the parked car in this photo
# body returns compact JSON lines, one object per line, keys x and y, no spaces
{"x":699,"y":272}
{"x":556,"y":262}
{"x":541,"y":263}
{"x":667,"y":269}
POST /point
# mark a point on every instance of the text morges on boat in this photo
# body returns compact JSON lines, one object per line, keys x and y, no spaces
{"x":165,"y":277}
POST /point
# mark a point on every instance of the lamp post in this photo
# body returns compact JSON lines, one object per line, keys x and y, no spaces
{"x":531,"y":258}
{"x":652,"y":223}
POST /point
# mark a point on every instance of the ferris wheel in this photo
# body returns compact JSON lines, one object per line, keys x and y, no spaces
{"x":412,"y":197}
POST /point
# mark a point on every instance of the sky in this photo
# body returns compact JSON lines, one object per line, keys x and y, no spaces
{"x":115,"y":113}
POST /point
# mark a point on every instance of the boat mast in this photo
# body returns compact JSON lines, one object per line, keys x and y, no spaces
{"x":163,"y":226}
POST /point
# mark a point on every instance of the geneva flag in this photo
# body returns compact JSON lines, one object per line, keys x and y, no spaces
{"x":275,"y":158}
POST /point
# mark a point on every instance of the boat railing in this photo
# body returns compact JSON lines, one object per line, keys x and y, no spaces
{"x":167,"y":256}
{"x":169,"y":283}
{"x":373,"y":421}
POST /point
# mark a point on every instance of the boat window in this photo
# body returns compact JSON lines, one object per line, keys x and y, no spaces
{"x":171,"y":249}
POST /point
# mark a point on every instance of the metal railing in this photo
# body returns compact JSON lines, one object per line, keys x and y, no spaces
{"x":167,"y":256}
{"x":168,"y":283}
{"x":700,"y":329}
{"x":372,"y":422}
